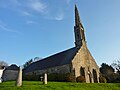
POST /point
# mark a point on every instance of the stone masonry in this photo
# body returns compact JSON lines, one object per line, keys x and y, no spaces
{"x":86,"y":61}
{"x":77,"y":60}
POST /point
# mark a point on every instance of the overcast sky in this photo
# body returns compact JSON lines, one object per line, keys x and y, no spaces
{"x":40,"y":28}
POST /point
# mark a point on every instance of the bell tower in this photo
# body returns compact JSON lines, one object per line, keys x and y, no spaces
{"x":78,"y":30}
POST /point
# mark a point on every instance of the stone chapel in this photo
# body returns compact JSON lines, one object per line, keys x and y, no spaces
{"x":77,"y":60}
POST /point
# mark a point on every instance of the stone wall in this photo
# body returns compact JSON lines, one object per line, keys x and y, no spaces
{"x":85,"y":60}
{"x":9,"y":75}
{"x":58,"y":69}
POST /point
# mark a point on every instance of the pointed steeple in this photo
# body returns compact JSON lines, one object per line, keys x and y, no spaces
{"x":77,"y":17}
{"x":78,"y":29}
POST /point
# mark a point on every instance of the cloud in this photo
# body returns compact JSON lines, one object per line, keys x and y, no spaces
{"x":68,"y":1}
{"x":15,"y":2}
{"x":10,"y":4}
{"x":37,"y":5}
{"x":26,"y":5}
{"x":31,"y":9}
{"x":30,"y":22}
{"x":59,"y":17}
{"x":4,"y":28}
{"x":25,"y":13}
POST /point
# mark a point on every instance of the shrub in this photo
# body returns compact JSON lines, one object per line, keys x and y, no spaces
{"x":102,"y":79}
{"x":51,"y":77}
{"x":61,"y":77}
{"x":70,"y":78}
{"x":80,"y":79}
{"x":31,"y":77}
{"x":56,"y":77}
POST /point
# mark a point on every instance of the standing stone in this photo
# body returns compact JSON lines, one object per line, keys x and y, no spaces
{"x":45,"y":79}
{"x":19,"y":77}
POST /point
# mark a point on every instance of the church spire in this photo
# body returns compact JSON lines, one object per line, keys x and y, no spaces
{"x":78,"y":29}
{"x":77,"y":17}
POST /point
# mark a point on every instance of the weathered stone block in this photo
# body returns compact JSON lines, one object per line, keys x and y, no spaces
{"x":19,"y":77}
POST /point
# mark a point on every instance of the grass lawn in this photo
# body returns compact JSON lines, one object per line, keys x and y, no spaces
{"x":35,"y":85}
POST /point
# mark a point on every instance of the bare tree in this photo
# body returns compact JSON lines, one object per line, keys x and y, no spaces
{"x":37,"y":59}
{"x":28,"y":63}
{"x":3,"y":63}
{"x":116,"y":65}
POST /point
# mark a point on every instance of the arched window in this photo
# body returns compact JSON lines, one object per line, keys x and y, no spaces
{"x":82,"y":72}
{"x":95,"y":76}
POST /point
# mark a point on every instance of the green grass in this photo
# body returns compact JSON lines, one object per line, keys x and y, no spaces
{"x":35,"y":85}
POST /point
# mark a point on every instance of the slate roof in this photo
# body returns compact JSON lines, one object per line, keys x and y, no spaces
{"x":62,"y":58}
{"x":12,"y":67}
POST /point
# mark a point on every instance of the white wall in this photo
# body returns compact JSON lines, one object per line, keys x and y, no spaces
{"x":1,"y":72}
